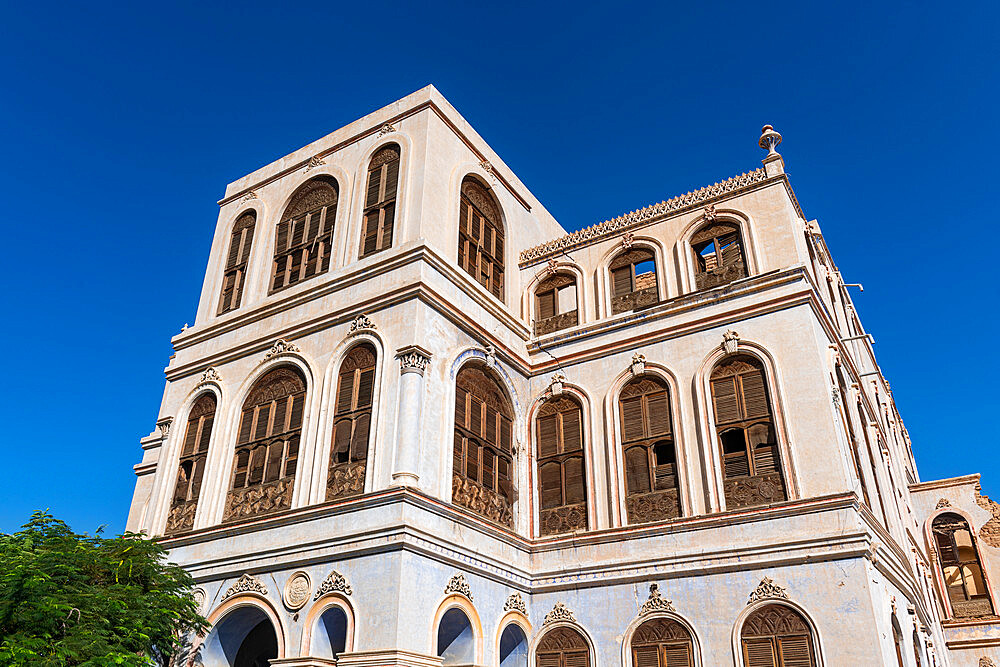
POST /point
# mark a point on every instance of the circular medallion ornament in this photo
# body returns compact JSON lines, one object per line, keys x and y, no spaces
{"x":199,"y":597}
{"x":297,"y":590}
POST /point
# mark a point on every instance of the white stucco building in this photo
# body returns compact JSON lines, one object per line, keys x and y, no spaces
{"x":416,"y":423}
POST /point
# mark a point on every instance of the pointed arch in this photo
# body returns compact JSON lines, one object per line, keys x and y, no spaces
{"x":961,"y":566}
{"x":649,"y":451}
{"x":237,"y":260}
{"x":304,"y":235}
{"x":352,"y":422}
{"x":267,"y":445}
{"x":481,"y":236}
{"x":561,"y":465}
{"x":776,"y":633}
{"x":483,"y":477}
{"x":380,"y":203}
{"x":746,"y":433}
{"x":563,"y":645}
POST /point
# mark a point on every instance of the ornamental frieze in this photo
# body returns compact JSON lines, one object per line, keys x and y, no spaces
{"x":281,"y":346}
{"x":607,"y":228}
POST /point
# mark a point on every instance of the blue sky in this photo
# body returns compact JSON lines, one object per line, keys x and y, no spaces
{"x":121,"y":125}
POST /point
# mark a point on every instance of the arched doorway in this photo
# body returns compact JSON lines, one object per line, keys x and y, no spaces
{"x":245,"y":637}
{"x":513,"y":647}
{"x":456,"y":644}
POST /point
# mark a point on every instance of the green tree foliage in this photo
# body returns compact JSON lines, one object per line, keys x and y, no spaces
{"x":71,"y":599}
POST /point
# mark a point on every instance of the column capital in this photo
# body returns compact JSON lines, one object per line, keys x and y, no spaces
{"x":413,"y":359}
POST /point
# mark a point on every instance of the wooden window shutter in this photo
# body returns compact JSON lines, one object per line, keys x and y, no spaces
{"x":657,"y":414}
{"x":678,"y":655}
{"x":632,"y":419}
{"x":621,"y":281}
{"x":352,"y":422}
{"x":572,"y":432}
{"x":724,"y":398}
{"x":550,"y":483}
{"x":547,"y":305}
{"x":637,"y":470}
{"x":754,"y":394}
{"x":759,"y":653}
{"x":233,"y":279}
{"x":549,"y":660}
{"x":795,"y":651}
{"x":575,"y":487}
{"x":304,"y":234}
{"x":646,"y":656}
{"x":548,"y":435}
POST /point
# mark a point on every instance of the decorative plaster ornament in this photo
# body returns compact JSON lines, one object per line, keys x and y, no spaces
{"x":360,"y":323}
{"x":730,"y":341}
{"x":551,"y":267}
{"x":245,"y":584}
{"x":296,"y":592}
{"x":638,"y":364}
{"x":413,"y":359}
{"x":656,"y":602}
{"x":709,"y":213}
{"x":281,"y":346}
{"x":199,"y":596}
{"x":628,"y":240}
{"x":515,"y":603}
{"x":210,"y":375}
{"x":488,"y":168}
{"x":458,"y":584}
{"x":386,"y":129}
{"x":943,"y":502}
{"x":767,"y":589}
{"x":314,"y":162}
{"x":556,"y":384}
{"x":250,"y":196}
{"x":164,"y":426}
{"x":491,"y":355}
{"x":334,"y":583}
{"x":986,"y":662}
{"x":560,"y":612}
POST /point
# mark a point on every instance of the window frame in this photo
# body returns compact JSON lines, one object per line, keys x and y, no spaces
{"x":237,"y":267}
{"x":635,"y":298}
{"x":562,"y":517}
{"x":346,"y":478}
{"x":558,"y":320}
{"x":382,"y":160}
{"x":709,"y":278}
{"x":300,"y":210}
{"x":181,"y":514}
{"x":476,"y":200}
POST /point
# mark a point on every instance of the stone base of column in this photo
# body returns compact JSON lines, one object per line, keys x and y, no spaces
{"x":387,"y":658}
{"x":304,"y":661}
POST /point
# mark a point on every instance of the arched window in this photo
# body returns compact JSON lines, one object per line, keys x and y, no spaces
{"x":456,"y":643}
{"x":481,"y":237}
{"x":236,"y":262}
{"x":962,"y":569}
{"x":305,"y":233}
{"x":194,"y":456}
{"x":745,"y":426}
{"x":267,"y":446}
{"x":777,"y":636}
{"x":244,"y":637}
{"x":662,"y":642}
{"x":555,"y":304}
{"x":380,"y":201}
{"x":651,"y":489}
{"x":916,"y":649}
{"x":562,"y":647}
{"x":718,"y":255}
{"x":329,"y":634}
{"x":562,"y":486}
{"x":352,"y":423}
{"x":482,"y":473}
{"x":633,"y":281}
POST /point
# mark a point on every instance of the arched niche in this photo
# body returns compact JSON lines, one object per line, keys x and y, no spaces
{"x":513,"y":650}
{"x":456,"y":641}
{"x":245,"y":636}
{"x":330,"y":633}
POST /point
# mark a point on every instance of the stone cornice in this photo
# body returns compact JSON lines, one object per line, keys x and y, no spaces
{"x":401,"y":531}
{"x":946,"y":483}
{"x":653,"y":212}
